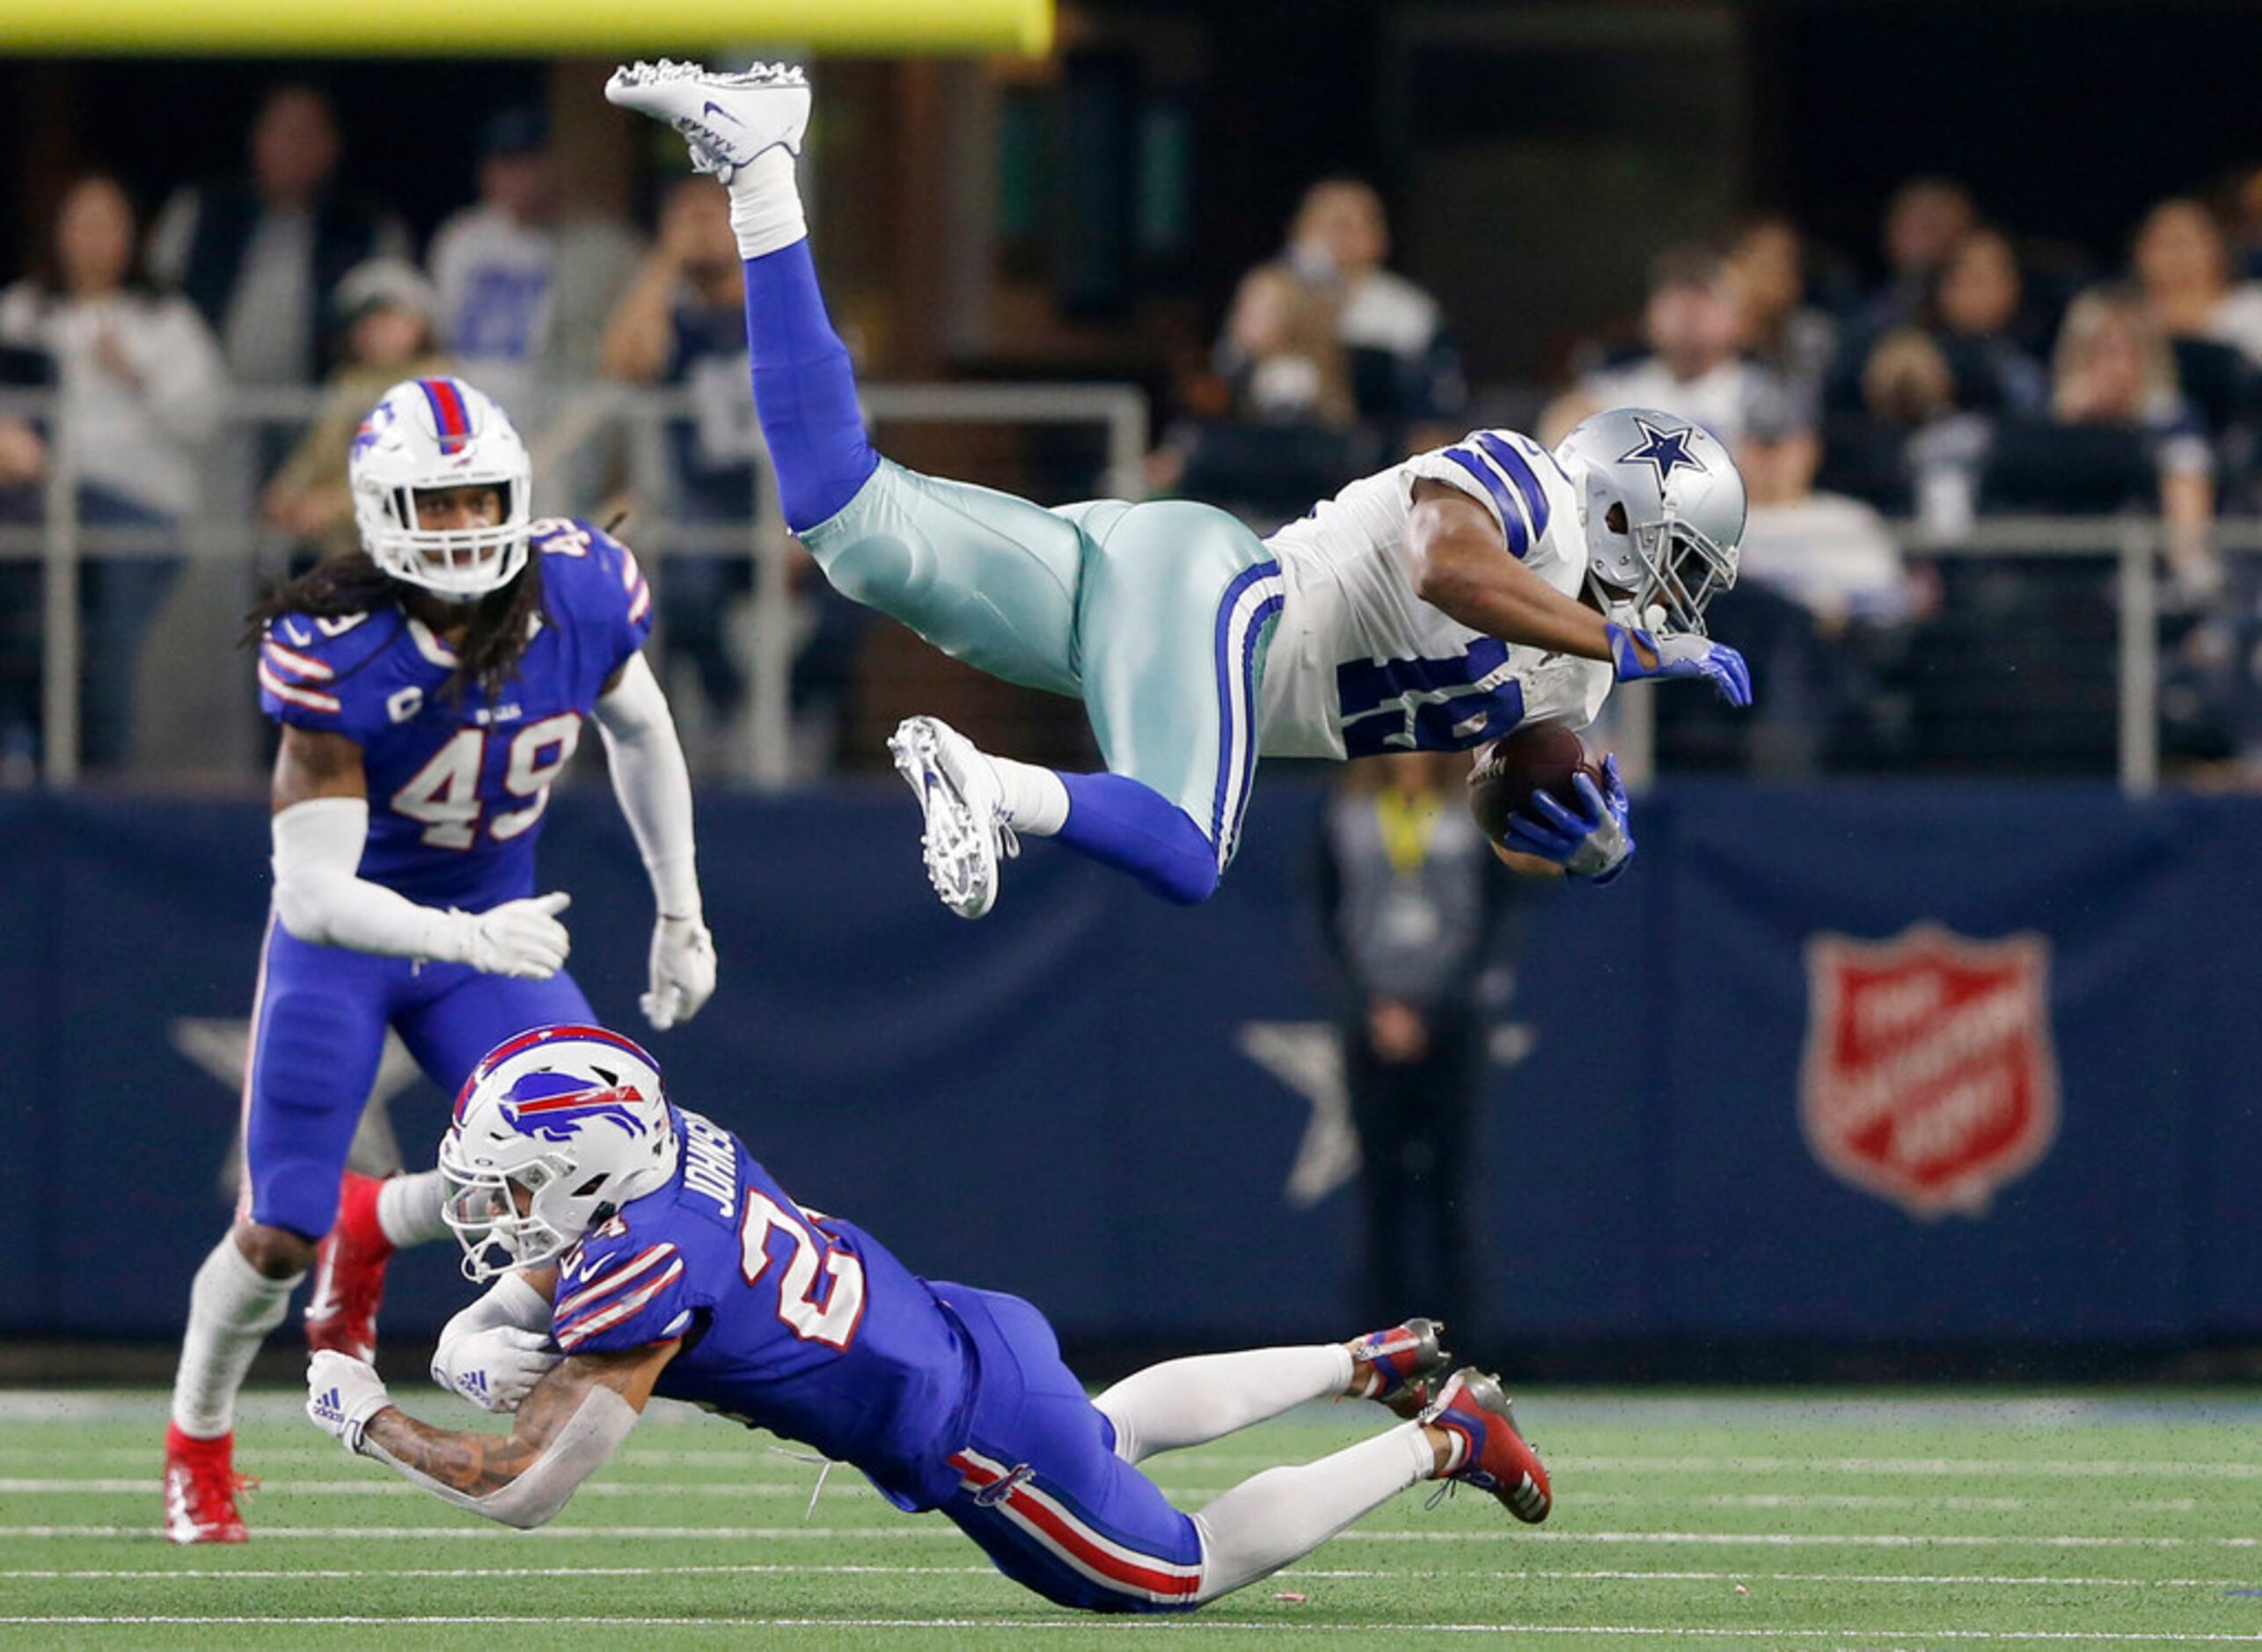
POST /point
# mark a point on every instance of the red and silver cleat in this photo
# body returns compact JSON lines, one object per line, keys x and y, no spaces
{"x":349,"y":1274}
{"x":200,"y":1483}
{"x":1493,"y":1457}
{"x":1402,"y":1367}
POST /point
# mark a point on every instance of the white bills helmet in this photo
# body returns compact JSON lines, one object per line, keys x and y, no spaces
{"x":1663,"y":504}
{"x":433,"y":433}
{"x":573,"y":1117}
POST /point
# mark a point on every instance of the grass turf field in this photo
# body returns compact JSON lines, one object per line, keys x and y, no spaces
{"x":1786,"y":1520}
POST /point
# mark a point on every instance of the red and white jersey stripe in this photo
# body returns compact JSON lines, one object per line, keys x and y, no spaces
{"x":313,"y":699}
{"x":616,"y":1294}
{"x":1089,"y":1553}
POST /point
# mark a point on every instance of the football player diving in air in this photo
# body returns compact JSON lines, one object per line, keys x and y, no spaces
{"x":1433,"y":606}
{"x":642,"y":1250}
{"x":430,"y":689}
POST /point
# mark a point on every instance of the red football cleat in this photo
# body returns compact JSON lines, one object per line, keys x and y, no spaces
{"x":1402,"y":1367}
{"x":1493,"y":1456}
{"x":349,"y":1274}
{"x":200,"y":1483}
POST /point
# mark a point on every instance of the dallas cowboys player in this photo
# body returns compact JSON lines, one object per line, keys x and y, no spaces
{"x":1433,"y":606}
{"x":430,"y":691}
{"x":659,"y":1257}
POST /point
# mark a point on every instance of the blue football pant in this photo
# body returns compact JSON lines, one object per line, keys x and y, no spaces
{"x":1047,"y":1489}
{"x":318,"y":1022}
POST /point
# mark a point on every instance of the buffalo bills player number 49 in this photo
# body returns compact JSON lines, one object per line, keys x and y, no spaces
{"x":430,"y":691}
{"x":1431,"y":607}
{"x":642,"y":1250}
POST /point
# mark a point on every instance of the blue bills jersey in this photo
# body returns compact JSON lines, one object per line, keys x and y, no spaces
{"x":457,"y":785}
{"x":792,"y":1321}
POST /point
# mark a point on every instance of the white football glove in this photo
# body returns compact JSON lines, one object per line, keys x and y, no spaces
{"x":342,"y":1395}
{"x":496,"y":1368}
{"x":523,"y":939}
{"x":683,"y":972}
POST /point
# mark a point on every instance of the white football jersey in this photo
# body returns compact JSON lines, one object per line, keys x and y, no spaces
{"x":1360,"y":665}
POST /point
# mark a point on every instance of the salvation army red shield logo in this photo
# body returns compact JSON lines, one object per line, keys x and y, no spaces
{"x":1929,"y":1078}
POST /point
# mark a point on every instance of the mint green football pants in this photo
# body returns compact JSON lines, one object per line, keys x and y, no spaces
{"x":1157,"y":615}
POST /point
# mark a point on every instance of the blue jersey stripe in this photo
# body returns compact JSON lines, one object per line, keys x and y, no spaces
{"x":1512,"y":520}
{"x":1527,"y":484}
{"x":1231,"y":737}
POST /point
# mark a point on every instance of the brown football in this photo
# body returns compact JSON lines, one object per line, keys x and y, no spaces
{"x":1537,"y":757}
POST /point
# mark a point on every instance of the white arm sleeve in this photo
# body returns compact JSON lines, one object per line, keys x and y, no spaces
{"x":591,"y":1436}
{"x":652,"y":784}
{"x":321,"y":898}
{"x":513,"y":1302}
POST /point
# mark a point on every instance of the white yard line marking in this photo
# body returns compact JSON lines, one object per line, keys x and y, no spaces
{"x":402,"y":1488}
{"x":2082,"y":1468}
{"x":1952,"y":1580}
{"x":894,"y":1531}
{"x":1290,"y":1625}
{"x":118,"y":1485}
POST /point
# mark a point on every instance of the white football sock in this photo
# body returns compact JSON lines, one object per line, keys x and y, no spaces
{"x":1036,"y":801}
{"x":408,"y":1209}
{"x":1284,"y":1514}
{"x":1185,"y":1402}
{"x":765,"y":205}
{"x":232,"y":1308}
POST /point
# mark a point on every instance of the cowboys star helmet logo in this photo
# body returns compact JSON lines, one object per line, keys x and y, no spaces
{"x":1665,"y":451}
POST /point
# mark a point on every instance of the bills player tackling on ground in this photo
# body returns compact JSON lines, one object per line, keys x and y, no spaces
{"x":430,"y":691}
{"x":1431,"y":607}
{"x":646,"y":1246}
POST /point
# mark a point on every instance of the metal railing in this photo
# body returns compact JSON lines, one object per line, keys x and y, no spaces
{"x":584,"y":420}
{"x":635,"y":421}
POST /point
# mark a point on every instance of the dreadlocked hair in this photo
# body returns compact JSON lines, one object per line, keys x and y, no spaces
{"x":502,"y":622}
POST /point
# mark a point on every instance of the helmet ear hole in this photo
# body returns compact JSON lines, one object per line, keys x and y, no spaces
{"x":589,"y":1187}
{"x":1615,"y":518}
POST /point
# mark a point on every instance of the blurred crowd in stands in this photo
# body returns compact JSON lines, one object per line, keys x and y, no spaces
{"x":1985,"y":373}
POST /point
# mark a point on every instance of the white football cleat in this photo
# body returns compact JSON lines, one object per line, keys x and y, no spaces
{"x":965,"y":808}
{"x":727,"y":119}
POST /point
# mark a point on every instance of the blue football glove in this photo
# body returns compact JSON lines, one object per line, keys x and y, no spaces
{"x":1596,"y":845}
{"x":1683,"y":653}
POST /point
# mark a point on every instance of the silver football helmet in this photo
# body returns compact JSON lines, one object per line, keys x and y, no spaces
{"x":1663,"y":505}
{"x":440,"y":432}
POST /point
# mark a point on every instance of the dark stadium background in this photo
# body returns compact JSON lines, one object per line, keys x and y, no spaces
{"x":1652,"y":1210}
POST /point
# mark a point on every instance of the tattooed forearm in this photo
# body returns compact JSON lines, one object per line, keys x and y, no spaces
{"x":478,"y":1464}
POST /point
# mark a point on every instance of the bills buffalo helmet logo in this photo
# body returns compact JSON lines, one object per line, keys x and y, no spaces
{"x":554,"y":1106}
{"x":1929,"y":1078}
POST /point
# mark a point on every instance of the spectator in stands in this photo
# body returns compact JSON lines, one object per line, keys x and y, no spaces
{"x":1411,"y":906}
{"x":2114,"y":369}
{"x":1693,"y":324}
{"x":683,"y":323}
{"x":1284,"y":353}
{"x":1924,"y":221}
{"x":525,"y":289}
{"x":261,"y":257}
{"x":141,"y":381}
{"x":385,"y":309}
{"x":1404,"y":371}
{"x":1824,"y":596}
{"x":1975,"y":317}
{"x":2182,"y":263}
{"x":1780,"y":331}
